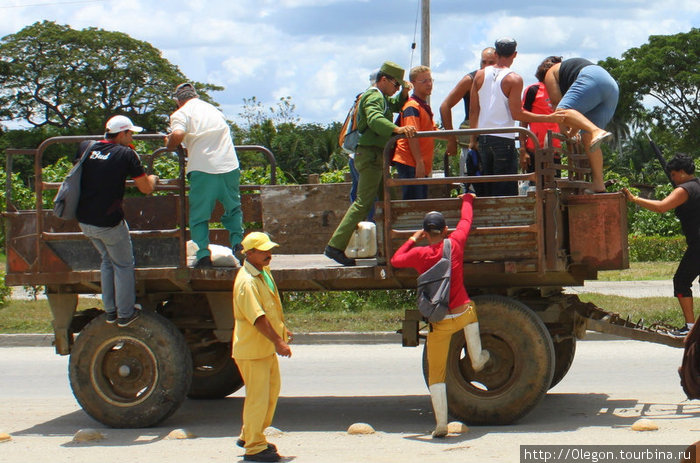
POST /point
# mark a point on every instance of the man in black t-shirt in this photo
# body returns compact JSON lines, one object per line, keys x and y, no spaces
{"x":101,"y":218}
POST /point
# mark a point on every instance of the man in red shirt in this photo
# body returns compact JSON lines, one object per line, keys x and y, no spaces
{"x":462,"y":313}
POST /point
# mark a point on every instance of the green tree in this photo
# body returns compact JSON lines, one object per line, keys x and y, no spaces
{"x":52,"y":75}
{"x":665,"y":71}
{"x":300,"y":149}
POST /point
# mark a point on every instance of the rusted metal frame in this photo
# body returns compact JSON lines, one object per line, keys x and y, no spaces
{"x":38,"y":177}
{"x":9,"y":155}
{"x":182,"y":258}
{"x":315,"y":283}
{"x":388,"y":181}
{"x":637,"y":334}
{"x":497,"y":230}
{"x":183,"y":285}
{"x":95,"y":287}
{"x":459,"y":180}
{"x":39,"y":185}
{"x":386,"y":176}
{"x":163,"y":185}
{"x":539,"y":210}
{"x":268,"y":154}
{"x":572,"y":154}
{"x":9,"y":206}
{"x":580,"y":170}
{"x":58,"y":236}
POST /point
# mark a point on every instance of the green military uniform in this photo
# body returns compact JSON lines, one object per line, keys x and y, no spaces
{"x":375,"y":125}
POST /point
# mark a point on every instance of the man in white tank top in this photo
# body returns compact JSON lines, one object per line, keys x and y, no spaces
{"x":499,"y":104}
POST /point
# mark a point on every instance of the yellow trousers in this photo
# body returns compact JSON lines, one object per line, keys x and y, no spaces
{"x":438,"y":342}
{"x":262,"y":388}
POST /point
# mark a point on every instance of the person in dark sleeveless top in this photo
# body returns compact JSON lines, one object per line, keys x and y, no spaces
{"x":462,"y":91}
{"x":587,"y":96}
{"x":685,"y":199}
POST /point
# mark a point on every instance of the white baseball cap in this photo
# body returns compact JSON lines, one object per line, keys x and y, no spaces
{"x":121,"y":123}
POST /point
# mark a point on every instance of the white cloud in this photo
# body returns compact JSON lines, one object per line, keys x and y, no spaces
{"x":320,"y":52}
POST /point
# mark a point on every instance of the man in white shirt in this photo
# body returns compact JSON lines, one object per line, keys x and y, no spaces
{"x":499,"y":104}
{"x":212,"y":169}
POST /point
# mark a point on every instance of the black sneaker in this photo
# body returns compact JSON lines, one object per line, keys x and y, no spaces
{"x":241,"y":443}
{"x":681,"y":332}
{"x":339,"y":256}
{"x":238,"y":253}
{"x":111,"y":317}
{"x":266,"y":455}
{"x":204,"y":262}
{"x":123,"y":322}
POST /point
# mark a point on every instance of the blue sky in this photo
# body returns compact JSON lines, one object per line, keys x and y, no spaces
{"x":321,"y":52}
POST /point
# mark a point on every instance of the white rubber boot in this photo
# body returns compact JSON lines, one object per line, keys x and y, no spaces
{"x":478,"y":356}
{"x":438,"y":395}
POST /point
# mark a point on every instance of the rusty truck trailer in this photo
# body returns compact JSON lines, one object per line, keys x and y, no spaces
{"x":520,"y":252}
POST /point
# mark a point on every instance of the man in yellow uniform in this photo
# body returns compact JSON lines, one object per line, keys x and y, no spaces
{"x":258,"y":334}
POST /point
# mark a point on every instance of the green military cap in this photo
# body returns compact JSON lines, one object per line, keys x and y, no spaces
{"x":393,"y":70}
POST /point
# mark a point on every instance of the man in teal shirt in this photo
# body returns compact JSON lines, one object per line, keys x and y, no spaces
{"x":376,"y":109}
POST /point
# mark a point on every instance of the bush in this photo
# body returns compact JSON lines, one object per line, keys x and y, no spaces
{"x":645,"y":222}
{"x":347,"y":301}
{"x":5,"y":291}
{"x":335,"y":176}
{"x":656,"y":248}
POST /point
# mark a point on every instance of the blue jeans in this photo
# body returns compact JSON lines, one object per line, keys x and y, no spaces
{"x":205,"y":190}
{"x":410,"y":191}
{"x":594,"y":94}
{"x":498,"y":157}
{"x":117,"y":268}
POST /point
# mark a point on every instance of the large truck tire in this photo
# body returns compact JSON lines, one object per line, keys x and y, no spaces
{"x":516,"y":377}
{"x":130,"y":377}
{"x":564,"y":352}
{"x":215,"y":374}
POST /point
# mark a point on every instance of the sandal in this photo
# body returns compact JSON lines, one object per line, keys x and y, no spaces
{"x":595,"y":143}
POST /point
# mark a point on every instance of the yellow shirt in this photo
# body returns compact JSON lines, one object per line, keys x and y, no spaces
{"x":252,"y":298}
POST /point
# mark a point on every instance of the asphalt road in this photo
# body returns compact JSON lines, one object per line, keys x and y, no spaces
{"x":328,"y":387}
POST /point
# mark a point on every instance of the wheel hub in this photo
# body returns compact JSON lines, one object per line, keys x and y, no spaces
{"x":499,"y":371}
{"x":125,"y":371}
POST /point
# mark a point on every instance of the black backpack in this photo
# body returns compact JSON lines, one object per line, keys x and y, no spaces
{"x":434,"y":287}
{"x":65,"y":204}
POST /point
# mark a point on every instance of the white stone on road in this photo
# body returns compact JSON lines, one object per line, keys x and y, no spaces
{"x":326,"y":388}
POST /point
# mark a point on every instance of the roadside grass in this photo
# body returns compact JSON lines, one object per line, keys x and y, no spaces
{"x":651,"y":309}
{"x":639,"y":271}
{"x":22,"y":316}
{"x":365,"y":321}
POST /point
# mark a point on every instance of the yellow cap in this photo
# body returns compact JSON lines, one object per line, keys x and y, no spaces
{"x":259,"y":241}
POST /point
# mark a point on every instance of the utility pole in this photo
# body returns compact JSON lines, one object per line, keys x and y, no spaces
{"x":425,"y":35}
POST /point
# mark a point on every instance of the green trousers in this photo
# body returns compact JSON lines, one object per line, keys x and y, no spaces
{"x":205,"y":190}
{"x":369,"y":163}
